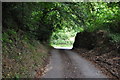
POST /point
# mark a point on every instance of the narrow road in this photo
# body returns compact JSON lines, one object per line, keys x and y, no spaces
{"x":68,"y":64}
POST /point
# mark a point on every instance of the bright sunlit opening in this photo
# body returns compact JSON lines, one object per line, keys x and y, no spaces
{"x":63,"y":39}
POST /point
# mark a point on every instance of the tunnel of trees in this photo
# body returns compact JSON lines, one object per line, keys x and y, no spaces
{"x":42,"y":21}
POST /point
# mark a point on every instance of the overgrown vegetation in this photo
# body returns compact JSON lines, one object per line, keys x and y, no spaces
{"x":54,"y":23}
{"x":21,"y":58}
{"x":41,"y":18}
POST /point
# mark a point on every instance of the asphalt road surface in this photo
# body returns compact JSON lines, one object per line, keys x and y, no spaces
{"x":68,"y":64}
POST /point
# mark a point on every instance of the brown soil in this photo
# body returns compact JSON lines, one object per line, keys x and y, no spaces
{"x":24,"y":60}
{"x":105,"y":53}
{"x":105,"y":59}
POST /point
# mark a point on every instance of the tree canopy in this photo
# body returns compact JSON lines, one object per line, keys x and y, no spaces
{"x":41,"y":19}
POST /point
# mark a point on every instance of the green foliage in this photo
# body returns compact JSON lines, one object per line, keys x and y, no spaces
{"x":23,"y":59}
{"x":8,"y":36}
{"x":5,"y":38}
{"x":115,"y":37}
{"x":55,"y":23}
{"x":103,"y":14}
{"x":63,"y":37}
{"x":41,"y":19}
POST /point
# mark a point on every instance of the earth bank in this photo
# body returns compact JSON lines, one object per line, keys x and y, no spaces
{"x":98,"y":48}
